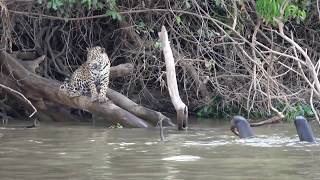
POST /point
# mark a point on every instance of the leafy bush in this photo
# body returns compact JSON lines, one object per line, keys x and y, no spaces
{"x":63,"y":7}
{"x":298,"y":110}
{"x":270,"y":9}
{"x":216,"y":109}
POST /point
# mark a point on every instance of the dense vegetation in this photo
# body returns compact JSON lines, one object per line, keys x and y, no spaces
{"x":258,"y":58}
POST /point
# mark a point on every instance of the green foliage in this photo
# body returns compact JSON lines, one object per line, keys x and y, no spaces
{"x":112,"y":12}
{"x":158,"y":45}
{"x":54,"y":4}
{"x":258,"y":114}
{"x":178,"y":20}
{"x":298,"y":110}
{"x":114,"y":15}
{"x":143,"y":27}
{"x":64,"y":7}
{"x":294,"y":12}
{"x":216,"y":109}
{"x":270,"y":9}
{"x":219,"y":110}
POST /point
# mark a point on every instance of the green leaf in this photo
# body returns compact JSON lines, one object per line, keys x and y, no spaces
{"x":99,"y":5}
{"x":178,"y":19}
{"x":54,"y":6}
{"x":158,"y":45}
{"x":111,"y":13}
{"x":114,"y":15}
{"x":119,"y":17}
{"x":141,"y":24}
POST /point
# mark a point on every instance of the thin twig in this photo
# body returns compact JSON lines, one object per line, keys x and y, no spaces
{"x":20,"y":94}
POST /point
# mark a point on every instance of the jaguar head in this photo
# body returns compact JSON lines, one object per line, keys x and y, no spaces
{"x":95,"y":51}
{"x":97,"y":58}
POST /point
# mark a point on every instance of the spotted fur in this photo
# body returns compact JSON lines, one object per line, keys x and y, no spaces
{"x":92,"y":77}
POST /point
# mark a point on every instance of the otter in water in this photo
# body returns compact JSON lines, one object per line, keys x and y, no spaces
{"x":303,"y":129}
{"x":241,"y":127}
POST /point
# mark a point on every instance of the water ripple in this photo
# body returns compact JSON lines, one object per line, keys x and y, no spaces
{"x":182,"y":158}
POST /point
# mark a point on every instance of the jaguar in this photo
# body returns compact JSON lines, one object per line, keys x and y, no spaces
{"x":92,"y":77}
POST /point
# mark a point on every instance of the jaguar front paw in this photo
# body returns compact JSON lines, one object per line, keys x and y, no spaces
{"x":64,"y":91}
{"x":74,"y":94}
{"x":102,"y":98}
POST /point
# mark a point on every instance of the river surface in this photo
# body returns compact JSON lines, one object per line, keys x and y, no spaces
{"x":207,"y":151}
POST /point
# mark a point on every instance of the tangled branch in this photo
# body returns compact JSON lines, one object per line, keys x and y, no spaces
{"x":227,"y":59}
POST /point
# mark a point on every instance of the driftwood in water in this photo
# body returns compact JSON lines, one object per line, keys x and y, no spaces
{"x":181,"y":108}
{"x":37,"y":87}
{"x":273,"y":120}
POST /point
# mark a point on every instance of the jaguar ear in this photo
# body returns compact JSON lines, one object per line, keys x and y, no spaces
{"x":103,"y":50}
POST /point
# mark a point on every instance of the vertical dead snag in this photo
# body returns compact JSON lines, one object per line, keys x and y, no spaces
{"x":181,"y":108}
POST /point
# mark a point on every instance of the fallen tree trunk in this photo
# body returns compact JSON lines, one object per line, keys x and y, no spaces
{"x":30,"y":61}
{"x":148,"y":114}
{"x":57,"y":113}
{"x":39,"y":87}
{"x":121,"y":70}
{"x":181,"y":108}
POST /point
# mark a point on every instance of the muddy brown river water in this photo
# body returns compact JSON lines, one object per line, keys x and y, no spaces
{"x":207,"y":151}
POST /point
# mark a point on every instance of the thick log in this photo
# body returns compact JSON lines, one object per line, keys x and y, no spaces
{"x":181,"y":108}
{"x":121,"y":70}
{"x":149,"y":115}
{"x":25,"y":55}
{"x":31,"y":62}
{"x":56,"y":112}
{"x":49,"y":90}
{"x":33,"y":65}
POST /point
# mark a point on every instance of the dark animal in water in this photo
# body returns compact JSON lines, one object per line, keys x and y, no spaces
{"x":303,"y":129}
{"x":241,"y":127}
